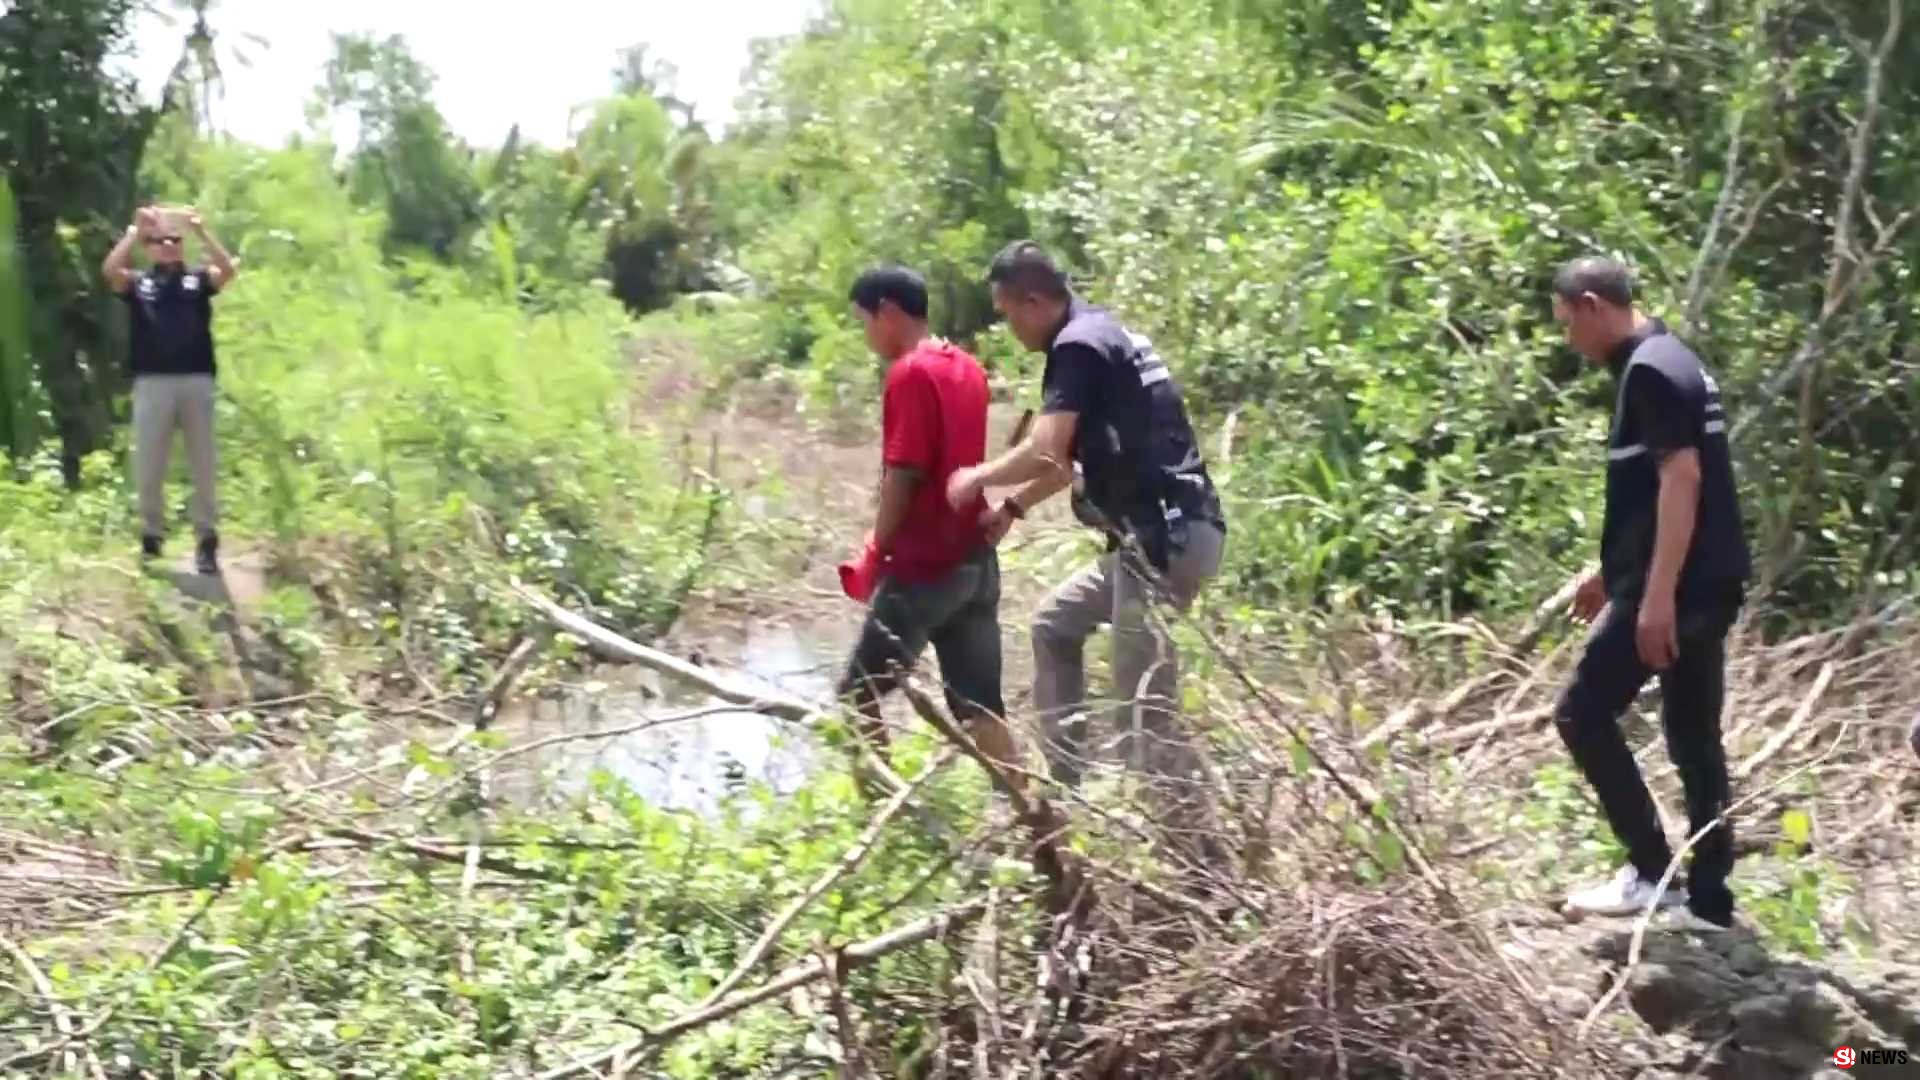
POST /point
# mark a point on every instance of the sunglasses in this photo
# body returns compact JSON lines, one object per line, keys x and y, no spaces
{"x":159,"y":240}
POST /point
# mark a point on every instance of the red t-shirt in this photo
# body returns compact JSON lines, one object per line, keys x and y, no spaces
{"x":934,"y":419}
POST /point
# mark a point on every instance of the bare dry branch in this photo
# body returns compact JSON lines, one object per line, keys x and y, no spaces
{"x":1785,"y":734}
{"x":518,"y":658}
{"x":848,"y":862}
{"x":767,"y":700}
{"x":852,"y":957}
{"x":62,"y":1019}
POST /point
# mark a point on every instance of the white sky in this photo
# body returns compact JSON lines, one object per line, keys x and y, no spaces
{"x":497,"y":63}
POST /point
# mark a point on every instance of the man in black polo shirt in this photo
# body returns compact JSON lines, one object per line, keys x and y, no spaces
{"x":171,"y":355}
{"x":1674,"y":565}
{"x":1112,"y":411}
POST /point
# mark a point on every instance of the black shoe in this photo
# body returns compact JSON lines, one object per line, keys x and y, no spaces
{"x":206,"y":559}
{"x":1711,"y":915}
{"x":149,"y":546}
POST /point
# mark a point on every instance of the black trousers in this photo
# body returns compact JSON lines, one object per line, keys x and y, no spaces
{"x":959,"y":614}
{"x":1693,"y":693}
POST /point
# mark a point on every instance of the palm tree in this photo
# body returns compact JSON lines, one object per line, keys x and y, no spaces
{"x":198,"y":74}
{"x":635,"y":72}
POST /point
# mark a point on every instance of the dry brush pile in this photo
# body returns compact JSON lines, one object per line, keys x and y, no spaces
{"x":1317,"y":903}
{"x":1334,"y":916}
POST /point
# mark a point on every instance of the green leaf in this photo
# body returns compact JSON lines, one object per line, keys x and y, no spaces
{"x":1391,"y":854}
{"x":1798,"y":827}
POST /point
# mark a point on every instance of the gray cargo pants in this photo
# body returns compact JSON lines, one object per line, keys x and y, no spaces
{"x":1145,"y":666}
{"x":163,"y":404}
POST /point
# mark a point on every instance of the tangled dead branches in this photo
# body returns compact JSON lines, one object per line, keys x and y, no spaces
{"x":1335,"y":983}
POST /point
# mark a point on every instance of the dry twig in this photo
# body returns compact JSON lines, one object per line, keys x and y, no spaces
{"x":854,"y":956}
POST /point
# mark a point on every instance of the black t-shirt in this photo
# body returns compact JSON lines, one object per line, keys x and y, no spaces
{"x":171,"y":311}
{"x":1136,"y":449}
{"x":1667,"y":401}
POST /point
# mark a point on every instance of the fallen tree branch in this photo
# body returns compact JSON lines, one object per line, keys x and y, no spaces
{"x":854,"y":856}
{"x":949,"y":729}
{"x":1052,"y":858}
{"x":1439,"y":709}
{"x":154,"y":963}
{"x":427,"y":851}
{"x":62,"y":1019}
{"x":1467,"y":733}
{"x":1785,"y":734}
{"x":852,"y":957}
{"x":772,"y":702}
{"x":853,"y":1058}
{"x":516,"y":663}
{"x":1546,"y":611}
{"x":469,"y":874}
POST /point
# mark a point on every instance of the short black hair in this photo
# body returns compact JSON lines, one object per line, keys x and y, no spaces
{"x":1026,"y":266}
{"x":905,"y":287}
{"x":1608,"y":279}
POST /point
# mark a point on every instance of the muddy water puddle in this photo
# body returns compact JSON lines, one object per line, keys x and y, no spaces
{"x":692,"y":764}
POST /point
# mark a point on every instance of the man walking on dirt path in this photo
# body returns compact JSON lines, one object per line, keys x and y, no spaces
{"x":171,"y":355}
{"x":928,"y":568}
{"x":1111,"y":410}
{"x":1674,"y":566}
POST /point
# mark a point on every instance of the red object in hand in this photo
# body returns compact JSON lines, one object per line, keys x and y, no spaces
{"x":859,"y":576}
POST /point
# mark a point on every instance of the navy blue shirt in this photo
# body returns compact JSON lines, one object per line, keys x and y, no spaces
{"x":171,"y":329}
{"x":1667,"y":401}
{"x":1133,"y":442}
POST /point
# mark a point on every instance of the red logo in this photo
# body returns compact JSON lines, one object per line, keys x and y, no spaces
{"x":1845,"y":1058}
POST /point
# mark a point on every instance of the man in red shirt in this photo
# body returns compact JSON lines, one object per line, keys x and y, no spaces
{"x":933,"y":574}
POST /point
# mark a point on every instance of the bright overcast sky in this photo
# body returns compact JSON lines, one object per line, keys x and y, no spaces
{"x":498,"y":64}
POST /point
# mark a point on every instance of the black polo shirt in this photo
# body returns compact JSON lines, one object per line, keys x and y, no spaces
{"x":1668,"y":401}
{"x":171,"y":309}
{"x":1136,"y":449}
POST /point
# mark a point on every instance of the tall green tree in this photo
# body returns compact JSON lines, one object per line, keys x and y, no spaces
{"x":72,"y":131}
{"x":405,"y":159}
{"x":623,"y":159}
{"x":19,"y":390}
{"x":1339,"y":219}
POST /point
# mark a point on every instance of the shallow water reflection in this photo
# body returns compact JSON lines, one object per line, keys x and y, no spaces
{"x":691,"y":764}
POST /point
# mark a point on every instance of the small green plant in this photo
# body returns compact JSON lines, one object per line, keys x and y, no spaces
{"x":1787,"y":896}
{"x":1570,"y":838}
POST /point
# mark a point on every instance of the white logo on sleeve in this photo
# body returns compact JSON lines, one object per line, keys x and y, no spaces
{"x":190,"y":283}
{"x":1147,"y":362}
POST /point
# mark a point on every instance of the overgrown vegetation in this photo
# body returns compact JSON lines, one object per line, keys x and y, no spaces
{"x":260,"y":830}
{"x":1340,"y":219}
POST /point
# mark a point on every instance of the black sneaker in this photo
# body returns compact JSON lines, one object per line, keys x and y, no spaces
{"x":206,"y":559}
{"x":149,"y":546}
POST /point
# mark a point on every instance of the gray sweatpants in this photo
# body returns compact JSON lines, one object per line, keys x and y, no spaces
{"x":163,"y":404}
{"x":1145,"y":665}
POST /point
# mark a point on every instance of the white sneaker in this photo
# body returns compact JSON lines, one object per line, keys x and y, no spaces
{"x":1627,"y":894}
